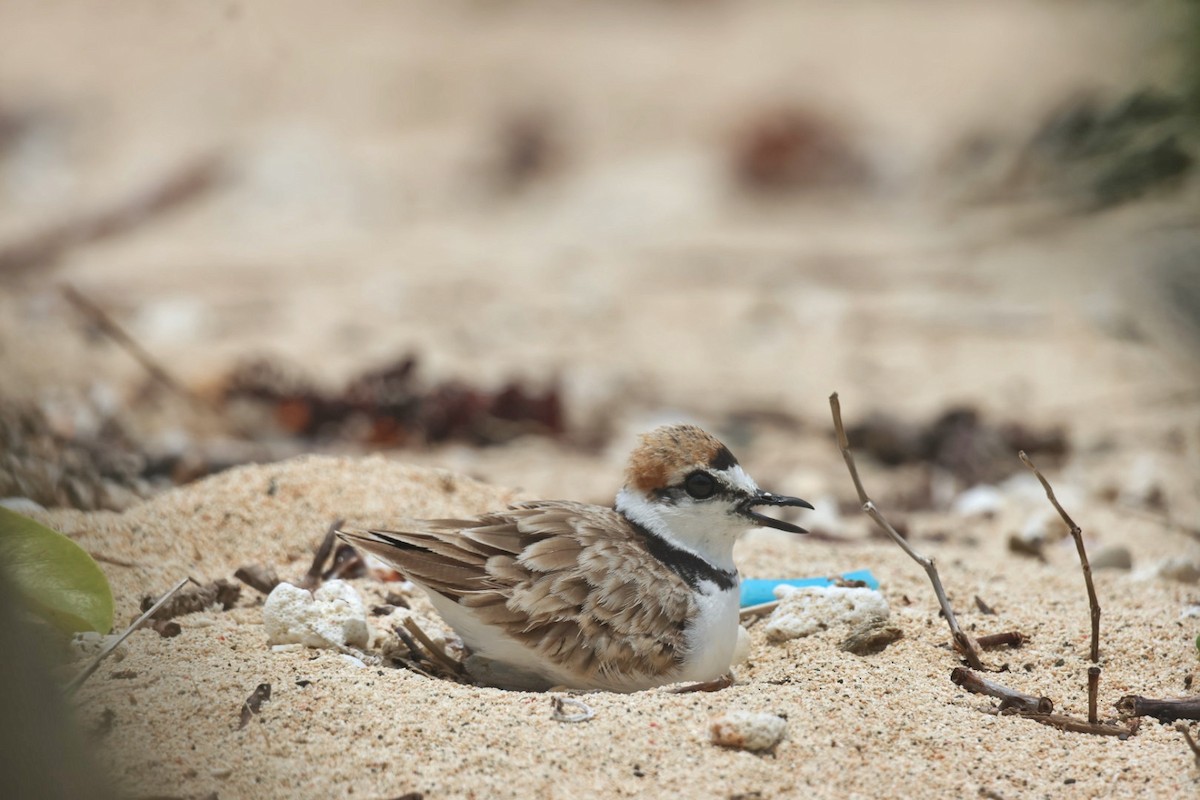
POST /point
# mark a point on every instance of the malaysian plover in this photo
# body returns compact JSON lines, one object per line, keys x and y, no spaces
{"x":564,"y":594}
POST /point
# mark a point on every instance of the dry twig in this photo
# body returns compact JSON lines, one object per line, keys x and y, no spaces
{"x":1132,"y":705}
{"x":1191,"y":743}
{"x":962,"y":642}
{"x":78,"y":680}
{"x":253,"y":703}
{"x":113,"y":330}
{"x":258,"y":576}
{"x":1008,"y":638}
{"x":1077,"y":535}
{"x":1072,"y":725}
{"x":439,"y":654}
{"x":1093,"y":683}
{"x":185,"y":184}
{"x":312,"y":578}
{"x":1010,"y":699}
{"x":1038,"y":709}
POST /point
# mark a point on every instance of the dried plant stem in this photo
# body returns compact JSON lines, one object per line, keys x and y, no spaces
{"x":962,"y":642}
{"x":1133,"y":705}
{"x":438,"y":653}
{"x":1077,"y":535}
{"x":1072,"y":725}
{"x":110,"y":328}
{"x":1093,"y":684}
{"x":313,"y":576}
{"x":1191,"y":743}
{"x":1008,"y":638}
{"x":78,"y":680}
{"x":1010,"y":699}
{"x":1093,"y":688}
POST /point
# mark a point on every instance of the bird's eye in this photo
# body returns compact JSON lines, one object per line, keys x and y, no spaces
{"x":700,"y":485}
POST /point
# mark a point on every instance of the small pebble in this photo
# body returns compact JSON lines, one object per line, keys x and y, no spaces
{"x":870,"y":638}
{"x":1112,"y":557}
{"x":747,"y":730}
{"x":1178,"y":568}
{"x":979,"y":501}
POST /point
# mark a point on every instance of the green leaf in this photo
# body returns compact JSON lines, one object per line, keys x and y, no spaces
{"x":54,"y":576}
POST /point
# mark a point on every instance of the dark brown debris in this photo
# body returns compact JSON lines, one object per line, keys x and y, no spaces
{"x":983,"y":607}
{"x":1012,"y":639}
{"x":389,"y":406}
{"x":258,"y":576}
{"x":166,"y":629}
{"x":530,"y":147}
{"x":316,"y":569}
{"x":795,"y":149}
{"x":196,"y":598}
{"x":55,"y":466}
{"x":104,"y":725}
{"x":1032,"y":548}
{"x":870,"y":638}
{"x":253,"y":703}
{"x":347,"y":563}
{"x":396,"y":599}
{"x":958,"y":441}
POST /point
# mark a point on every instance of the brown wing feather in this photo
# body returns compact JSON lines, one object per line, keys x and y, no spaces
{"x":570,"y":581}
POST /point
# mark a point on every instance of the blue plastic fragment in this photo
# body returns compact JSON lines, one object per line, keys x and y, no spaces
{"x":762,"y":590}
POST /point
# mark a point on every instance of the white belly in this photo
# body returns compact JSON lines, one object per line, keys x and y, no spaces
{"x":712,"y":638}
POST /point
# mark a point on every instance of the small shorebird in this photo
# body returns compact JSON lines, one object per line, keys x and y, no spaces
{"x":562,"y":594}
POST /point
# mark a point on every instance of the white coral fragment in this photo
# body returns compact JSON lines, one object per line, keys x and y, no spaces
{"x":333,"y":617}
{"x":803,"y":611}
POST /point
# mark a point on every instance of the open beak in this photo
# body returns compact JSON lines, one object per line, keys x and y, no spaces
{"x":768,"y":499}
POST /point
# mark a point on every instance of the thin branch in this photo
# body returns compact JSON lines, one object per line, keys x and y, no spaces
{"x":1077,"y":535}
{"x":962,"y":642}
{"x":1008,"y":638}
{"x":313,"y":576}
{"x":1093,"y":689}
{"x":1132,"y":705}
{"x":1072,"y":725}
{"x":78,"y":680}
{"x":113,"y":330}
{"x":176,"y":189}
{"x":438,"y":653}
{"x":1010,"y":699}
{"x":1191,"y":743}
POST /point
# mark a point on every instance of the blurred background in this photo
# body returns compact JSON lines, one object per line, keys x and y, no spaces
{"x":503,"y":237}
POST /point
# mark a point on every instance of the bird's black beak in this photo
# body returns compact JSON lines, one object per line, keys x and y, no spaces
{"x":768,"y":499}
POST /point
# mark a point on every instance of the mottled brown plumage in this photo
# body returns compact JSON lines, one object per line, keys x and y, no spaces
{"x":556,"y":593}
{"x":553,"y":576}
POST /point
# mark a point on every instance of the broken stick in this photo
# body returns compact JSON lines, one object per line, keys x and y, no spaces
{"x":962,"y":642}
{"x":1010,"y":699}
{"x":1132,"y":705}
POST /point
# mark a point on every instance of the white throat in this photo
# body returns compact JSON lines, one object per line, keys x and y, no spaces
{"x":707,"y":530}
